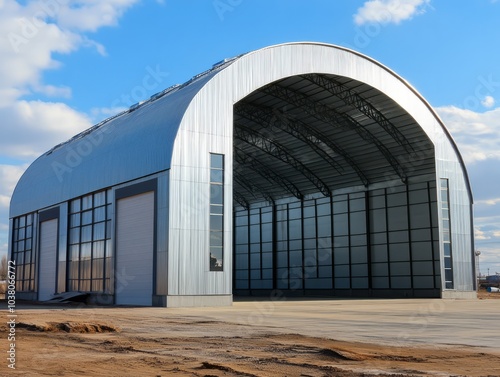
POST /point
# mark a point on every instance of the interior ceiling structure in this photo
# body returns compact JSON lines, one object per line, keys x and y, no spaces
{"x":317,"y":133}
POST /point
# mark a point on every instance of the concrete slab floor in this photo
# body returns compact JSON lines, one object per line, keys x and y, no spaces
{"x":408,"y":322}
{"x":394,"y":322}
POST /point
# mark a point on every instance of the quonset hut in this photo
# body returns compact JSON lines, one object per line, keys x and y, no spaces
{"x":303,"y":167}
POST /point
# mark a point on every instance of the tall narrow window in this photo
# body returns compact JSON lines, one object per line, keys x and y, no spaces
{"x":216,"y":212}
{"x":23,"y":254}
{"x":89,"y":252}
{"x":447,"y":247}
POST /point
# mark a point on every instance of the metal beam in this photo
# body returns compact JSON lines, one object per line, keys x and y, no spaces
{"x":353,"y":99}
{"x":280,"y":119}
{"x":259,"y":168}
{"x":252,"y":188}
{"x":279,"y":152}
{"x":240,"y":199}
{"x":267,"y":117}
{"x":333,"y":117}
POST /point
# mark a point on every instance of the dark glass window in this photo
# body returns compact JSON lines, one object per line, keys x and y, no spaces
{"x":23,"y":254}
{"x":89,"y":251}
{"x":216,"y":212}
{"x":446,"y":227}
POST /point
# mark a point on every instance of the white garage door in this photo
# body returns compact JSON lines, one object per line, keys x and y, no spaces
{"x":134,"y":250}
{"x":48,"y":263}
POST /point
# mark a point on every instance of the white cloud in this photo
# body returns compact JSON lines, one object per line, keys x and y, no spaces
{"x":32,"y":33}
{"x":488,"y":202}
{"x":488,"y":102}
{"x":9,"y":175}
{"x":4,"y":201}
{"x":480,"y":235}
{"x":53,"y":91}
{"x":100,"y":113}
{"x":92,"y":14}
{"x":477,"y":134}
{"x":36,"y":126}
{"x":389,"y":11}
{"x":3,"y":249}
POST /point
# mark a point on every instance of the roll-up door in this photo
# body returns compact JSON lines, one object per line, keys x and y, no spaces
{"x":134,"y":250}
{"x":48,"y":262}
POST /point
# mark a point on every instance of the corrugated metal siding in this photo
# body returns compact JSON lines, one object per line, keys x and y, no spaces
{"x":208,"y":127}
{"x":460,"y":217}
{"x":134,"y":250}
{"x":47,"y":260}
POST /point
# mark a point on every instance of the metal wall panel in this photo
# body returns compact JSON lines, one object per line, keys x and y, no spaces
{"x":134,"y":250}
{"x":47,"y":260}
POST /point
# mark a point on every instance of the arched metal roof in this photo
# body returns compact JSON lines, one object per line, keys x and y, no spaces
{"x":315,"y":129}
{"x":135,"y":143}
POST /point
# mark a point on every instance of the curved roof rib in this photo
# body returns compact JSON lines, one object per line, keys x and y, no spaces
{"x":274,"y":117}
{"x":336,"y":119}
{"x":257,"y":167}
{"x":358,"y":102}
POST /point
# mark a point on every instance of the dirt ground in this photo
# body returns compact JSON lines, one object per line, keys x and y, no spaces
{"x":82,"y":341}
{"x":483,"y":295}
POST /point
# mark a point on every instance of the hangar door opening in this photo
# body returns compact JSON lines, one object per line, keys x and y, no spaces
{"x":334,"y":193}
{"x":135,"y":250}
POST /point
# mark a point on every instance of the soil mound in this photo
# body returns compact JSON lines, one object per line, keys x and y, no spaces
{"x":69,"y":327}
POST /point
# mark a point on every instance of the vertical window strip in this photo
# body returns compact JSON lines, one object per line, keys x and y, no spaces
{"x":446,"y":229}
{"x":88,"y":249}
{"x":23,"y":253}
{"x":216,"y":212}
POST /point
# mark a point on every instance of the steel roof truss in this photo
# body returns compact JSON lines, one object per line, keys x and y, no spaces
{"x":353,"y":99}
{"x":278,"y":151}
{"x":331,"y":116}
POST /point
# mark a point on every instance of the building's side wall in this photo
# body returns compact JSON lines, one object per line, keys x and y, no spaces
{"x":106,"y":298}
{"x":189,"y":275}
{"x":460,"y":221}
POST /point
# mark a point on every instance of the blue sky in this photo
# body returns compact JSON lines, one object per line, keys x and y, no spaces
{"x":67,"y":64}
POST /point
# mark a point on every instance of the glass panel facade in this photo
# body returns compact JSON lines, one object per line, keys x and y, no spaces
{"x":89,"y":251}
{"x":23,"y":253}
{"x":216,"y":212}
{"x":445,"y":218}
{"x":380,"y":239}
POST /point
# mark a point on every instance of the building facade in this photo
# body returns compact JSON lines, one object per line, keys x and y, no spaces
{"x":304,"y":167}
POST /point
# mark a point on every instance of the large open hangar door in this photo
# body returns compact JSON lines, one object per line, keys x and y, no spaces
{"x":334,"y":193}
